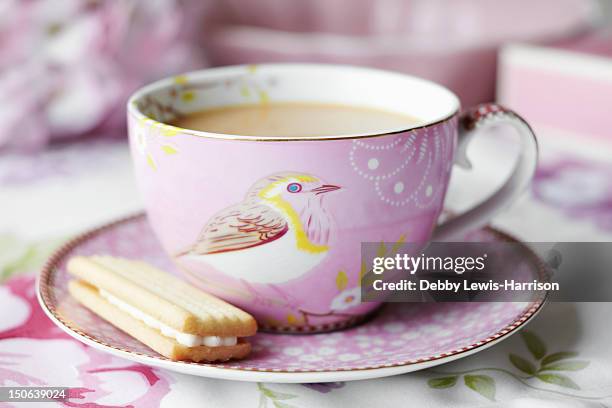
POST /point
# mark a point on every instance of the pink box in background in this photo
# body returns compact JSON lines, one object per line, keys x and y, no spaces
{"x":566,"y":88}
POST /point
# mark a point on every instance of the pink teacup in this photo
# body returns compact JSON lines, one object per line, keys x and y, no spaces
{"x":275,"y":225}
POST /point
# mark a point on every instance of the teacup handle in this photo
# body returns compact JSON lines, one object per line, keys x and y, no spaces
{"x":476,"y":118}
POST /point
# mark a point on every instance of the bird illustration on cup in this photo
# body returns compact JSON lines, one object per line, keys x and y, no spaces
{"x":279,"y":232}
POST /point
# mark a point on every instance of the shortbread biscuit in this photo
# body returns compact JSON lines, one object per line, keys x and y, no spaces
{"x":172,"y":317}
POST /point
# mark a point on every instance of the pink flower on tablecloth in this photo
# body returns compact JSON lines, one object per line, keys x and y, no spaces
{"x":103,"y":374}
{"x":99,"y":379}
{"x":581,"y":189}
{"x":20,"y":299}
{"x":8,"y":374}
{"x":324,"y":388}
{"x":66,"y":68}
{"x":34,"y":352}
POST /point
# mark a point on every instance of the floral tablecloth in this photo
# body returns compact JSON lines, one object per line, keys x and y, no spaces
{"x":45,"y":198}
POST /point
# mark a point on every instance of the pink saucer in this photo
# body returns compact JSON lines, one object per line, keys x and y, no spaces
{"x":400,"y":338}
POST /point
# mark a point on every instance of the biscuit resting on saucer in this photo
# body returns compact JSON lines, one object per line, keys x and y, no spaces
{"x":167,"y":314}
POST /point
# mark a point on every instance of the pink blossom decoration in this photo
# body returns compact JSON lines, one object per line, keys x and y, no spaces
{"x":67,"y":68}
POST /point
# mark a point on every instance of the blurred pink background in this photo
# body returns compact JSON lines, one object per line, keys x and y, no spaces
{"x":67,"y":67}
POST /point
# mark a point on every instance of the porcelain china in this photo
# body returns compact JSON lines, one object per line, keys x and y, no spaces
{"x":399,"y":338}
{"x":274,"y":224}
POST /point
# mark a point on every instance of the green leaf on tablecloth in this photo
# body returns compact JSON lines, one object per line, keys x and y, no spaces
{"x":442,"y":382}
{"x":279,"y":404}
{"x":558,"y":379}
{"x":522,"y":364}
{"x":482,"y":384}
{"x":268,"y":393}
{"x":281,"y":396}
{"x":17,"y":256}
{"x":534,"y":344}
{"x":262,"y":401}
{"x":265,"y":391}
{"x":275,"y":396}
{"x":565,"y":366}
{"x":562,"y":355}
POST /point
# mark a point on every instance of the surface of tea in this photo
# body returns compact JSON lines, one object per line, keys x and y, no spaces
{"x":295,"y":120}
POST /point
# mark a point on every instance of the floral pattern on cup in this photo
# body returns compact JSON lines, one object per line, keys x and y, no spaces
{"x":346,"y":299}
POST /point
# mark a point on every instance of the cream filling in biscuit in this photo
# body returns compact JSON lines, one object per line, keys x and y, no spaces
{"x":186,"y":339}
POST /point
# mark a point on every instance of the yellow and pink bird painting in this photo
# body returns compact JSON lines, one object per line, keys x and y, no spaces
{"x":279,"y":232}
